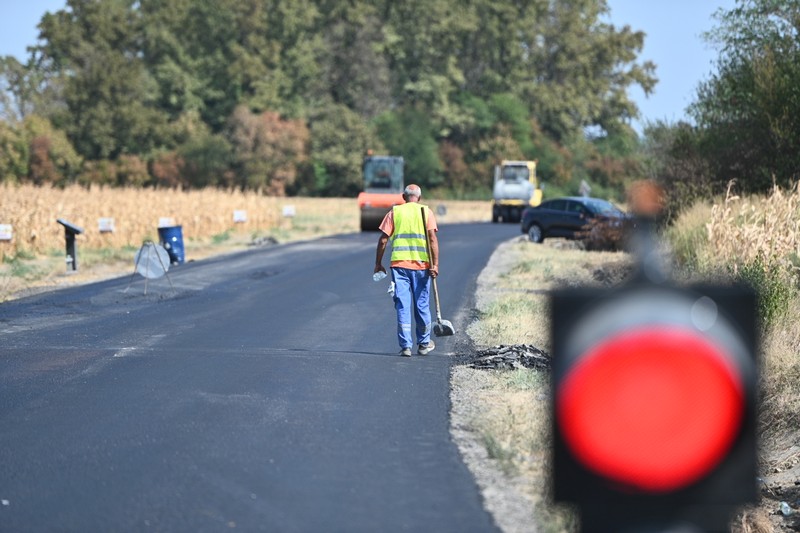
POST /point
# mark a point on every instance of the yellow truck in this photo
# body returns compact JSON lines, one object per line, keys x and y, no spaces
{"x":516,"y":187}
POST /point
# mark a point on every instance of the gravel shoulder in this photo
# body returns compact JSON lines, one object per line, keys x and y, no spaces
{"x":506,"y":496}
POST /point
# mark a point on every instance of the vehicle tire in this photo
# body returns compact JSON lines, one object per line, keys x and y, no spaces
{"x":515,"y":216}
{"x":368,"y":224}
{"x":535,"y":233}
{"x":495,"y":215}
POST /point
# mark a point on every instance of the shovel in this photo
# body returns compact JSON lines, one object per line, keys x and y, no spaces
{"x":442,"y":328}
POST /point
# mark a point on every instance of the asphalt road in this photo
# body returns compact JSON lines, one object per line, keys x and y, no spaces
{"x":264,"y":392}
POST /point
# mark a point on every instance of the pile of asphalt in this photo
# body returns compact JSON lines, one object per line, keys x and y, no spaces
{"x":510,"y":357}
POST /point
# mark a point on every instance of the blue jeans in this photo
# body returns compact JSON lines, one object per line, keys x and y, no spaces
{"x":411,"y":291}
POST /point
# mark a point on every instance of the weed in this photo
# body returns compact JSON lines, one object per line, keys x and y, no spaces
{"x":524,"y":379}
{"x":25,"y":254}
{"x":219,"y":238}
{"x":502,"y":454}
{"x":769,"y":281}
{"x":22,"y":268}
{"x":689,"y":236}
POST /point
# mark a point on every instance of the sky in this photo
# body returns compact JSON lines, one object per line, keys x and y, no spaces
{"x":673,"y":43}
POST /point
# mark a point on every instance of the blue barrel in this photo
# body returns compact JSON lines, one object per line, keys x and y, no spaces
{"x":171,"y":238}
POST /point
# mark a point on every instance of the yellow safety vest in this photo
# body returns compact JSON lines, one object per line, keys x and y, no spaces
{"x":408,"y":239}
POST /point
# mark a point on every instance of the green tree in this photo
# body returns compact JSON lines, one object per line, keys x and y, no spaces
{"x":614,"y":161}
{"x":423,"y":39}
{"x":674,"y":156}
{"x":339,"y":140}
{"x":208,"y":159}
{"x":213,"y":55}
{"x":52,"y":158}
{"x":131,"y":171}
{"x":355,"y":69}
{"x":267,"y":149}
{"x":511,"y":111}
{"x":109,"y":94}
{"x":173,"y":34}
{"x":583,"y":68}
{"x":17,"y":90}
{"x":99,"y":172}
{"x":217,"y":92}
{"x":410,"y":133}
{"x":749,"y":110}
{"x":14,"y":153}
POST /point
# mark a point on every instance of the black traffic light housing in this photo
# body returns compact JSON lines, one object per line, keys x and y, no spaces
{"x":600,"y":408}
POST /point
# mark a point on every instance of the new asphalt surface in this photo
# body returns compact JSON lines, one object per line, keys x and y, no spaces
{"x":259,"y":391}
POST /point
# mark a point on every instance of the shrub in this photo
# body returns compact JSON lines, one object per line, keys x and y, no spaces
{"x":769,"y":281}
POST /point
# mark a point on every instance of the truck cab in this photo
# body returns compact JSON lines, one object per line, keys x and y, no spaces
{"x":516,"y":187}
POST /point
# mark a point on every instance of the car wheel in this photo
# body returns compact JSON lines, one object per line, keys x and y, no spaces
{"x":535,"y":233}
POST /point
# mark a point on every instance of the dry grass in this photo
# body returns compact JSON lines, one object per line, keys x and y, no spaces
{"x":743,"y":230}
{"x":765,"y":231}
{"x":512,"y":422}
{"x":780,"y":402}
{"x":688,"y":237}
{"x":513,"y":290}
{"x":753,"y":521}
{"x":760,"y":233}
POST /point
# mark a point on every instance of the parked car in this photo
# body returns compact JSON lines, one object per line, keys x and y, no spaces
{"x":599,"y":224}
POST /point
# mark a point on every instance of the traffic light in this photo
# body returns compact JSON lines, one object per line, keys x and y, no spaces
{"x":654,"y":405}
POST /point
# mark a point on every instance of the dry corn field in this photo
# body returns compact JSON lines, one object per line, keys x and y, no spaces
{"x":765,"y":229}
{"x":742,"y":230}
{"x":32,"y":213}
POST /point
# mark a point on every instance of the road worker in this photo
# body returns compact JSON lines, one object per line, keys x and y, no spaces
{"x":414,"y":262}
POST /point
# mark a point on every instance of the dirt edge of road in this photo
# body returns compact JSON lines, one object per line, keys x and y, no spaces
{"x":504,"y":498}
{"x":507,"y":496}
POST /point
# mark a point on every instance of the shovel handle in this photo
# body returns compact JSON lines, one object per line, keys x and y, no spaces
{"x":436,"y":299}
{"x":428,"y":251}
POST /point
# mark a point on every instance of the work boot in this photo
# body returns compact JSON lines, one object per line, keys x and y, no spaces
{"x":405,"y":352}
{"x":425,"y":349}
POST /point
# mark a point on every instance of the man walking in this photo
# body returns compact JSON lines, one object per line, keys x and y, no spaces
{"x":413,"y":265}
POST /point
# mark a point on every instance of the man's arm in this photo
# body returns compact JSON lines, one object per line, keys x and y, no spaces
{"x":379,"y":252}
{"x":434,"y":243}
{"x":434,"y":252}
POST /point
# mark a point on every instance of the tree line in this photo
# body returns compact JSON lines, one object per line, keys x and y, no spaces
{"x":286,"y":97}
{"x":746,"y":115}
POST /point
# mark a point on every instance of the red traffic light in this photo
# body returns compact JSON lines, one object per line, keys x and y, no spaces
{"x":655,"y":407}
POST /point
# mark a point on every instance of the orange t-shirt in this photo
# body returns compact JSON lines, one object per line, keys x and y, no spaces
{"x":387,"y":226}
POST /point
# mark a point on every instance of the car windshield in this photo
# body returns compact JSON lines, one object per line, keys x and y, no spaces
{"x":515,"y":173}
{"x":602,"y":207}
{"x":383,"y":173}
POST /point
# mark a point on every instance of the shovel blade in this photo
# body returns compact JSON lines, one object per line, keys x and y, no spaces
{"x":443,"y":328}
